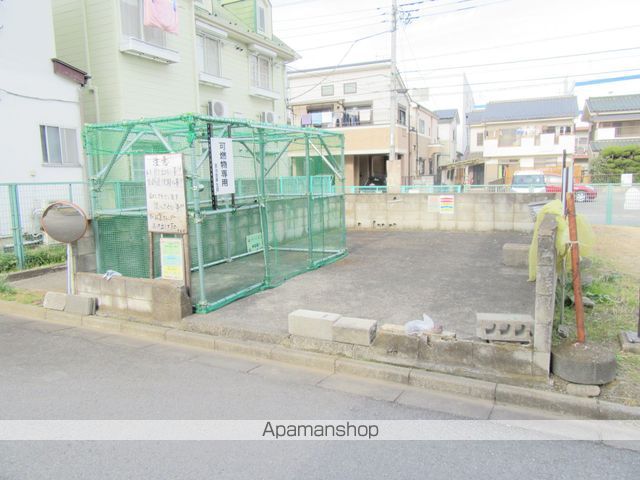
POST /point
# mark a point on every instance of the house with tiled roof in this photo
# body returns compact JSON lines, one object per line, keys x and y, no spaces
{"x":521,"y":134}
{"x":217,"y":57}
{"x":615,"y":121}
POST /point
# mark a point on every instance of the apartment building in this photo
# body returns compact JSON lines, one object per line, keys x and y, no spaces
{"x":355,"y":99}
{"x":220,"y":57}
{"x":614,"y":120}
{"x":520,"y":134}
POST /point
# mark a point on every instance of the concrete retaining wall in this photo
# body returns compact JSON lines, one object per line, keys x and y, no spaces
{"x":414,"y":211}
{"x":156,"y":301}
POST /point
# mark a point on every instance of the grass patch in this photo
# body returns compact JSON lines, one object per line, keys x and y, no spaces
{"x":11,"y":294}
{"x":34,"y":257}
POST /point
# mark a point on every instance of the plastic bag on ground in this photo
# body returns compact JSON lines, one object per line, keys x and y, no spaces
{"x":416,"y":327}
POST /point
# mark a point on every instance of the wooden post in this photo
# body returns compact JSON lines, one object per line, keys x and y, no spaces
{"x":575,"y":267}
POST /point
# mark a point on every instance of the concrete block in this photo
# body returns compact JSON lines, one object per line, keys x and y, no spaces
{"x":165,"y":313}
{"x":359,"y":331}
{"x":139,"y":307}
{"x":250,"y":349}
{"x":321,"y":346}
{"x":572,"y":407}
{"x":544,"y":309}
{"x":114,"y":287}
{"x":515,"y":255}
{"x":452,"y":384}
{"x":392,"y":340}
{"x":80,"y":305}
{"x":87,"y":263}
{"x":626,"y":345}
{"x":541,"y":363}
{"x":190,"y":339}
{"x":388,"y":373}
{"x":139,"y":289}
{"x":503,"y":358}
{"x":588,"y":364}
{"x":309,"y":323}
{"x":112,"y":303}
{"x":63,"y":318}
{"x":304,"y":359}
{"x":546,"y":280}
{"x":583,"y":390}
{"x":504,"y":327}
{"x":55,"y":301}
{"x":150,"y":332}
{"x":89,"y":283}
{"x":617,"y":411}
{"x":455,"y":353}
{"x":542,"y":338}
{"x":111,"y":325}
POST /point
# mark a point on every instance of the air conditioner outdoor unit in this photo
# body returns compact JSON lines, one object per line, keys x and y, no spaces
{"x":268,"y":117}
{"x":218,"y":109}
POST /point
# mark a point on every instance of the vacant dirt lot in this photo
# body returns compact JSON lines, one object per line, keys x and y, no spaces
{"x":620,"y":246}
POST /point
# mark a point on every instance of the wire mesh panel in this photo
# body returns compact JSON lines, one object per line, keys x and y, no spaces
{"x":286,"y":216}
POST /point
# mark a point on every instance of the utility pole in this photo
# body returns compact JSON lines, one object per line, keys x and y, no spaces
{"x":393,"y":108}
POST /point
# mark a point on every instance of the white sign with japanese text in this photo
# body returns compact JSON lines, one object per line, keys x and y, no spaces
{"x":222,"y":168}
{"x":166,"y":201}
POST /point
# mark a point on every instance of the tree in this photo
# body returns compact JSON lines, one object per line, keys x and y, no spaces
{"x":618,"y":160}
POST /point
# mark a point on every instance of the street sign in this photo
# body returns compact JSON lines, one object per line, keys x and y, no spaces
{"x":166,"y":201}
{"x":222,"y":166}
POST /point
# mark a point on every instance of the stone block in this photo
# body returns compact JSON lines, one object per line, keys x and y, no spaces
{"x":114,"y":287}
{"x":456,"y":353}
{"x":542,"y":338}
{"x":87,"y":263}
{"x":143,"y":308}
{"x":587,"y":364}
{"x":504,"y":327}
{"x":546,"y":280}
{"x":55,"y":301}
{"x":139,"y":289}
{"x":163,"y":313}
{"x":503,"y":358}
{"x":388,"y":373}
{"x":89,"y":283}
{"x":108,"y":302}
{"x":452,"y":384}
{"x":309,"y":323}
{"x":626,"y":344}
{"x":515,"y":255}
{"x":359,"y":331}
{"x":544,"y":309}
{"x":392,"y":340}
{"x":541,"y":363}
{"x":80,"y":305}
{"x":583,"y":390}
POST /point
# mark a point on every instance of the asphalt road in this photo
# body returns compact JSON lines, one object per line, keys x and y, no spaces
{"x":53,"y":372}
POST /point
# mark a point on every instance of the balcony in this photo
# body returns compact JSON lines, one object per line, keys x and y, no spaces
{"x":333,"y":119}
{"x":542,"y":144}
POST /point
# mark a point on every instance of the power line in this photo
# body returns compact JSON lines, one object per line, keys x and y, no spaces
{"x":339,"y":63}
{"x":457,"y":67}
{"x":324,"y":32}
{"x":332,"y":44}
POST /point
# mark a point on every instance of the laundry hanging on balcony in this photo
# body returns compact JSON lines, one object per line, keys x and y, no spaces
{"x":162,"y":14}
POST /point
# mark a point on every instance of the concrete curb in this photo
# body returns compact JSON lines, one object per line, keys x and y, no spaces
{"x":35,"y":272}
{"x":501,"y":394}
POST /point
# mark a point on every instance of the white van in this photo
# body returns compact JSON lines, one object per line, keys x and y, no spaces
{"x":528,"y":181}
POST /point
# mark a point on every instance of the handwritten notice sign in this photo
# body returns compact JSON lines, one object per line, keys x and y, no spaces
{"x":223,"y":176}
{"x":172,"y":259}
{"x":447,"y":204}
{"x":166,"y":202}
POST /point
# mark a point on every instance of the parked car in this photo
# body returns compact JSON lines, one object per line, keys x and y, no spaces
{"x":528,"y":181}
{"x":583,"y":193}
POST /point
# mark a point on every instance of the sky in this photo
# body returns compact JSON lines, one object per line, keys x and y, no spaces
{"x":507,"y":48}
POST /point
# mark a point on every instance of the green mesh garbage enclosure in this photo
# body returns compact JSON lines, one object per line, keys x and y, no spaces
{"x":287,"y":215}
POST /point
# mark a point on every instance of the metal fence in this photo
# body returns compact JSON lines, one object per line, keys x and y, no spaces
{"x":287,"y":215}
{"x":23,"y":244}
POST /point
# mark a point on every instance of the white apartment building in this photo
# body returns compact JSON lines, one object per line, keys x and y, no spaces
{"x":520,"y":134}
{"x":356,"y":99}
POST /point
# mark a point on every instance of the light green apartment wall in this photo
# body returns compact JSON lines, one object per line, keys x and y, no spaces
{"x":154,"y":89}
{"x":245,"y":10}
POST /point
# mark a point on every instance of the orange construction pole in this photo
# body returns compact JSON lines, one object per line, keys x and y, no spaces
{"x":575,"y":267}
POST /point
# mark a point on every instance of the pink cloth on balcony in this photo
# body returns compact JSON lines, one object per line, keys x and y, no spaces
{"x":162,"y":14}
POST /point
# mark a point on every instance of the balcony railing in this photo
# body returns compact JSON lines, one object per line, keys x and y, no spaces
{"x":330,"y":119}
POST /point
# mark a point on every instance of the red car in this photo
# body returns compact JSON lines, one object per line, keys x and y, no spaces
{"x":583,"y":193}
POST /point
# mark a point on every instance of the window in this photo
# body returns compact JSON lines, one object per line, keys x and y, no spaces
{"x":261,"y":18}
{"x":261,"y":72}
{"x":480,"y":139}
{"x":209,"y":55}
{"x":326,"y":90}
{"x":351,"y":87}
{"x":422,"y":127}
{"x":132,"y":17}
{"x":402,"y":116}
{"x":59,"y":145}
